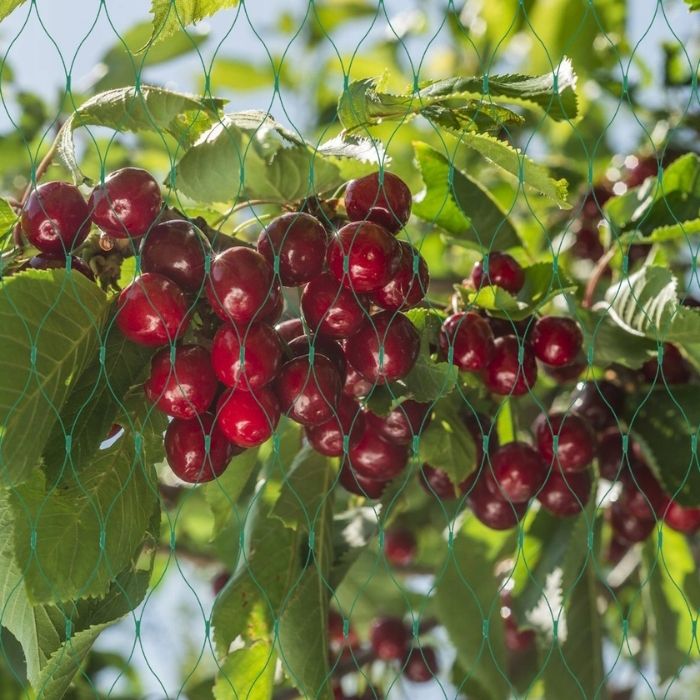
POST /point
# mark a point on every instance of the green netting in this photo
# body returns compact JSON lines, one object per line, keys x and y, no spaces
{"x":422,"y":482}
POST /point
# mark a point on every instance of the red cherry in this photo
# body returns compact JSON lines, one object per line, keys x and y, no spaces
{"x":300,"y":241}
{"x":674,"y":369}
{"x":587,"y":244}
{"x":355,"y":384}
{"x":503,"y":271}
{"x":372,"y":253}
{"x":220,"y":581}
{"x":436,"y":482}
{"x":505,"y":373}
{"x":395,"y":335}
{"x":176,"y":249}
{"x":240,"y":286}
{"x":389,"y":638}
{"x":383,"y":198}
{"x":406,"y":288}
{"x":599,"y":402}
{"x":184,"y":387}
{"x":400,"y":546}
{"x":301,"y":347}
{"x":568,"y":373}
{"x":127,"y":203}
{"x":682,"y":518}
{"x":248,"y":418}
{"x":336,"y":632}
{"x":506,"y":326}
{"x":576,"y":443}
{"x":403,"y":423}
{"x":288,"y":330}
{"x":492,"y":510}
{"x":565,"y":494}
{"x":617,"y":548}
{"x":610,"y":458}
{"x":332,"y":310}
{"x":57,"y":261}
{"x":420,"y":665}
{"x":152,"y":310}
{"x":309,"y":391}
{"x":628,"y":527}
{"x":261,"y":359}
{"x":375,"y":458}
{"x":642,"y":495}
{"x":556,"y":341}
{"x":348,"y":420}
{"x":470,"y":338}
{"x":56,"y":218}
{"x":273,"y":308}
{"x":518,"y":472}
{"x":186,"y":451}
{"x":360,"y":485}
{"x":516,"y":639}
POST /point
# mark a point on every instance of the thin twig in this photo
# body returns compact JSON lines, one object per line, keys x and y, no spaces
{"x":598,"y":272}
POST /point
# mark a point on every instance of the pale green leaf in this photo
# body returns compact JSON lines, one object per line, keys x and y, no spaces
{"x":170,"y":16}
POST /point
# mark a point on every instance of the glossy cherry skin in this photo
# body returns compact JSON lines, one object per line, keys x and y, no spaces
{"x":673,"y":370}
{"x":470,"y":338}
{"x":176,"y":249}
{"x":386,"y":203}
{"x":503,"y":271}
{"x":152,"y":310}
{"x":373,"y":256}
{"x":402,"y":424}
{"x":262,"y":355}
{"x":628,"y":527}
{"x":420,"y":665}
{"x":400,"y":342}
{"x":186,"y":452}
{"x":389,"y":638}
{"x":126,"y":204}
{"x":240,"y":286}
{"x":248,"y":418}
{"x":576,"y":443}
{"x":273,"y":308}
{"x":300,"y":241}
{"x":328,"y":437}
{"x":600,"y":403}
{"x":610,"y":458}
{"x":564,"y":495}
{"x":355,"y":384}
{"x":436,"y":482}
{"x":360,"y":485}
{"x":504,"y":374}
{"x":375,"y":458}
{"x":51,"y":261}
{"x":332,"y":310}
{"x":185,"y":387}
{"x":682,"y":518}
{"x":518,"y":472}
{"x":308,"y":392}
{"x":406,"y":288}
{"x":556,"y":341}
{"x":301,"y":347}
{"x":400,"y":546}
{"x":492,"y":510}
{"x":288,"y":330}
{"x":642,"y":495}
{"x":56,"y":218}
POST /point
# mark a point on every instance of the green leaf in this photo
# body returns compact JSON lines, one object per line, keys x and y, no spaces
{"x":8,"y":218}
{"x":543,"y":282}
{"x":145,"y":108}
{"x":49,"y":331}
{"x":693,"y":5}
{"x":247,"y":673}
{"x":8,"y":6}
{"x":170,"y":16}
{"x":458,"y":204}
{"x":666,"y":427}
{"x":248,"y":155}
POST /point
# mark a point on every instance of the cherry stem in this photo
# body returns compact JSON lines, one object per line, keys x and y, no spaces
{"x":597,"y":274}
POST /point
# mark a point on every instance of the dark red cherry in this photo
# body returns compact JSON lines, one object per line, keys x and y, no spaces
{"x":248,"y":418}
{"x":308,"y":392}
{"x":375,"y":458}
{"x":288,"y":330}
{"x":437,"y":483}
{"x":610,"y":457}
{"x":674,"y":369}
{"x":219,"y":582}
{"x":348,"y":420}
{"x":402,"y":424}
{"x":682,"y":518}
{"x":337,"y":638}
{"x":273,"y":308}
{"x":176,"y":249}
{"x":517,"y":639}
{"x":642,"y":495}
{"x":400,"y":546}
{"x":355,"y":384}
{"x":599,"y":402}
{"x":301,"y":347}
{"x":371,"y":254}
{"x":127,"y":204}
{"x":409,"y":284}
{"x":300,"y":241}
{"x":152,"y":310}
{"x":55,"y":218}
{"x":420,"y":665}
{"x":575,"y":441}
{"x":587,"y":245}
{"x":518,"y":472}
{"x":470,"y":339}
{"x":568,"y":373}
{"x":389,"y":637}
{"x":58,"y":261}
{"x":240,"y":286}
{"x":184,"y":387}
{"x":360,"y":485}
{"x":556,"y":341}
{"x":617,"y":548}
{"x":507,"y":326}
{"x":385,"y":347}
{"x":257,"y":365}
{"x":493,"y":510}
{"x":332,"y":310}
{"x":186,"y":451}
{"x":628,"y":527}
{"x":383,"y":198}
{"x":505,"y":373}
{"x":503,"y":271}
{"x":564,"y":495}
